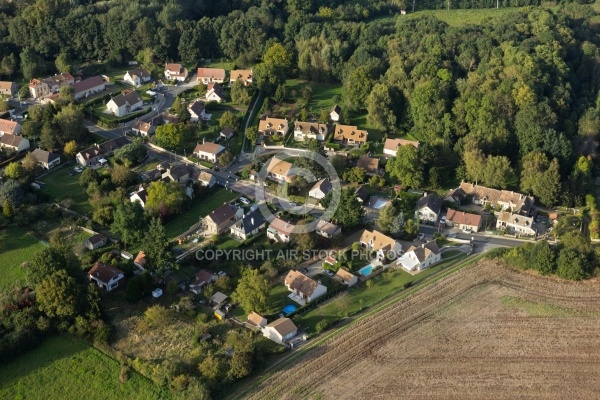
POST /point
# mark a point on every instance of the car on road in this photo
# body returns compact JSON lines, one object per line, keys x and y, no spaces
{"x":244,"y":200}
{"x":293,"y":204}
{"x":304,"y":270}
{"x":328,"y":272}
{"x":443,"y":220}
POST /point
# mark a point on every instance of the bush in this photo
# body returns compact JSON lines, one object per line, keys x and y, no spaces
{"x":322,"y":325}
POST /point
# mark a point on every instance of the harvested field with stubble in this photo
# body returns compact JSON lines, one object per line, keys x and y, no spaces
{"x":483,"y":332}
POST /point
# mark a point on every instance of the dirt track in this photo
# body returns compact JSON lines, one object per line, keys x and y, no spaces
{"x":483,"y":332}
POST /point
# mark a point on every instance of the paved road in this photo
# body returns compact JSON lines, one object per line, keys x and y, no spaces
{"x":478,"y":238}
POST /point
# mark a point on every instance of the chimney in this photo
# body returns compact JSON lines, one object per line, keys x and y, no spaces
{"x":203,"y":140}
{"x":252,"y":221}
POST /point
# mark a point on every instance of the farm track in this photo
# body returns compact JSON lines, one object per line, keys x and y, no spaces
{"x":457,"y":321}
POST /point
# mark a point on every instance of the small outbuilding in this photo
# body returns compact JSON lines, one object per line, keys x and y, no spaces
{"x":219,"y":298}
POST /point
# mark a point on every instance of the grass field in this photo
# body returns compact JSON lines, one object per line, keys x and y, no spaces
{"x":16,"y":247}
{"x":62,"y":188}
{"x":200,"y":209}
{"x":322,"y":96}
{"x":63,"y":367}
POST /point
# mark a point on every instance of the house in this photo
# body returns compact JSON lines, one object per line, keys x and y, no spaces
{"x":361,"y":194}
{"x":198,"y":112}
{"x":327,"y":229}
{"x":346,"y":277}
{"x":350,"y":135}
{"x":244,"y":75}
{"x":391,"y":146}
{"x":88,"y":156}
{"x":203,"y":278}
{"x":273,"y":126}
{"x":279,"y":170}
{"x":309,"y":130}
{"x":140,"y":260}
{"x":95,"y":242}
{"x":369,"y":164}
{"x":207,"y":179}
{"x":428,"y":208}
{"x":227,"y":132}
{"x":384,"y":246}
{"x":142,"y":128}
{"x":14,"y":143}
{"x":307,"y":289}
{"x":124,"y":103}
{"x":280,"y":331}
{"x":208,"y":151}
{"x":175,"y":72}
{"x":505,"y":199}
{"x":163,"y":166}
{"x":515,"y":223}
{"x":210,"y":75}
{"x":455,"y":196}
{"x":177,"y":173}
{"x":463,"y":220}
{"x":418,"y":258}
{"x":141,"y":195}
{"x":88,"y":87}
{"x":215,"y":92}
{"x":151,"y":176}
{"x":336,"y":113}
{"x":106,"y":276}
{"x":257,"y":320}
{"x":280,"y":231}
{"x":8,"y":88}
{"x":46,"y":159}
{"x":248,"y":226}
{"x":221,"y":219}
{"x":137,"y":77}
{"x":8,"y":126}
{"x":320,"y":189}
{"x":56,"y":82}
{"x":38,"y":89}
{"x":218,"y":298}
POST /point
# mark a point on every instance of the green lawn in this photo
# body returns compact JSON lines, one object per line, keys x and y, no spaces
{"x":227,"y":65}
{"x":458,"y":18}
{"x":63,"y":367}
{"x":361,"y":297}
{"x":16,"y":247}
{"x":360,"y":121}
{"x":62,"y":187}
{"x":200,"y":209}
{"x":322,"y":96}
{"x":278,"y":298}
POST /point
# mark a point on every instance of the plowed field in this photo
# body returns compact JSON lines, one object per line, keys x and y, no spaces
{"x":483,"y":332}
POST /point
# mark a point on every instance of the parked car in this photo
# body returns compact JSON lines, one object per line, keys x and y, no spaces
{"x":327,"y":272}
{"x":305,"y":270}
{"x":466,"y":231}
{"x":244,"y":200}
{"x":443,"y":220}
{"x":421,"y":236}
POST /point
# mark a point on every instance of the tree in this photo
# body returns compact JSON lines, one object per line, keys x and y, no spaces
{"x":497,"y":171}
{"x":306,"y":241}
{"x":212,"y":368}
{"x":57,"y":295}
{"x":474,"y":165}
{"x":543,"y":259}
{"x":32,"y":64}
{"x":131,"y":154}
{"x":4,"y":106}
{"x":541,"y":177}
{"x":549,"y":186}
{"x":129,"y":222}
{"x":158,"y":248}
{"x":349,"y":211}
{"x":387,"y":215}
{"x":356,"y":174}
{"x":30,"y":165}
{"x":268,"y":77}
{"x":406,"y":166}
{"x":88,"y":176}
{"x":165,"y":199}
{"x":14,"y":170}
{"x":225,"y":158}
{"x":571,"y":265}
{"x":48,"y":261}
{"x":239,"y":93}
{"x":66,"y":94}
{"x":178,"y":106}
{"x":121,"y":176}
{"x":13,"y":191}
{"x":7,"y":209}
{"x":70,"y":149}
{"x":229,"y":119}
{"x":170,"y":136}
{"x":252,"y":134}
{"x":278,"y":55}
{"x":63,"y":63}
{"x":252,"y":291}
{"x":357,"y":86}
{"x":380,"y":108}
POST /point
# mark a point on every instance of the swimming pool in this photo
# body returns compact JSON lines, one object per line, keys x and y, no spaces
{"x":364,"y":271}
{"x":290,"y":308}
